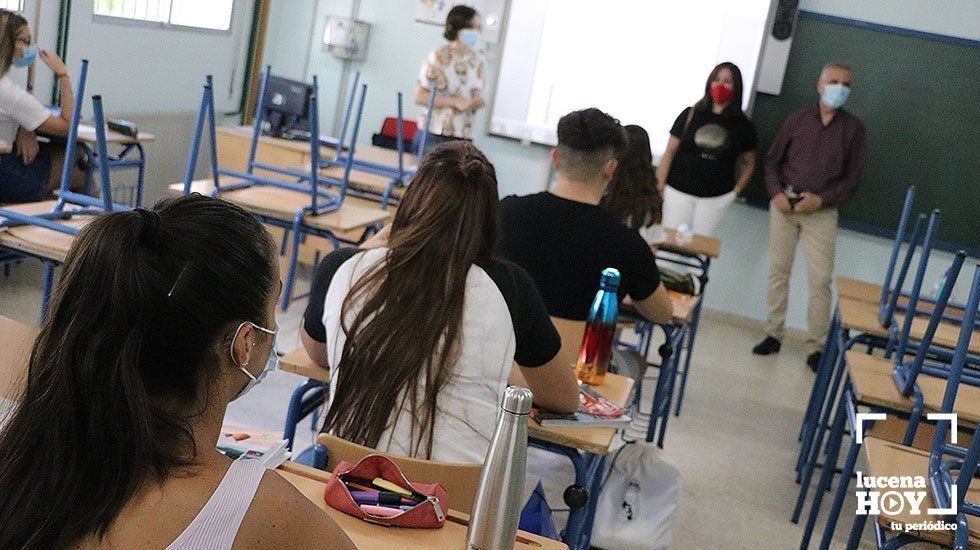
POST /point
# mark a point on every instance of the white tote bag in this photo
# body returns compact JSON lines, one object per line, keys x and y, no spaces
{"x":638,"y":500}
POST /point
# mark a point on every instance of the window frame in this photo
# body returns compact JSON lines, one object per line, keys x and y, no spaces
{"x":20,"y":9}
{"x":162,"y":25}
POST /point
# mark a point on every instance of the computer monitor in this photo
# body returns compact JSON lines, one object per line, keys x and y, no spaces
{"x":286,"y":106}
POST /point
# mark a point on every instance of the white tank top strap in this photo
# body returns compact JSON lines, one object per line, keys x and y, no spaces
{"x":216,"y":525}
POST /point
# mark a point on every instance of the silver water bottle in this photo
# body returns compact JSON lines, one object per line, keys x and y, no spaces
{"x":497,"y":507}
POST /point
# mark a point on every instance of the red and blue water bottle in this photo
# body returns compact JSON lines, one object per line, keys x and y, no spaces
{"x":600,"y":329}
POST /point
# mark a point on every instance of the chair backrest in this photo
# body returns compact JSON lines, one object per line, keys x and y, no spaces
{"x":886,"y":308}
{"x":72,"y":140}
{"x":939,"y":469}
{"x":899,"y":238}
{"x":906,"y":373}
{"x":571,"y":333}
{"x":459,"y":480}
{"x":920,"y":274}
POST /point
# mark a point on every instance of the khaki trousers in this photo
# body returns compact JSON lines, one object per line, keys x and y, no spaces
{"x":819,"y":233}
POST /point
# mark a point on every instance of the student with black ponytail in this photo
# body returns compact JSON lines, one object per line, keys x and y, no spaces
{"x":160,"y":319}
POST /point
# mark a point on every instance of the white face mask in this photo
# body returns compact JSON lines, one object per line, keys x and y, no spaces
{"x":271,"y":363}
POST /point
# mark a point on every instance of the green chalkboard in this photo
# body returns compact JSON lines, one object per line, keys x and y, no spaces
{"x":919,"y":99}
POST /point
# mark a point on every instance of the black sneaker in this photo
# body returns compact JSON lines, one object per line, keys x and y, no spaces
{"x":767,"y":347}
{"x":813,"y":361}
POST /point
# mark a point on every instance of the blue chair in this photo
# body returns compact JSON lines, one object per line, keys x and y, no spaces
{"x":809,"y":458}
{"x":943,"y":458}
{"x":399,"y":175}
{"x":874,"y":382}
{"x":70,"y":203}
{"x":300,"y":197}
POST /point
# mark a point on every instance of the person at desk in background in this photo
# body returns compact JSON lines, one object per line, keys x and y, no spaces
{"x":456,"y":72}
{"x":564,"y":239}
{"x":422,"y":334}
{"x":25,"y":170}
{"x":710,"y":156}
{"x":633,"y":197}
{"x":813,"y":166}
{"x":159,"y":320}
{"x":632,"y":194}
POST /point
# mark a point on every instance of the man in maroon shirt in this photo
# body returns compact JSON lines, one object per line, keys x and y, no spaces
{"x":813,"y":166}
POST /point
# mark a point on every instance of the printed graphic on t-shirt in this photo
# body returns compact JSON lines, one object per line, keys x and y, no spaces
{"x":711,"y":139}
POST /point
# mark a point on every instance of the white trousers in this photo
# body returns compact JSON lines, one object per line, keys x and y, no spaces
{"x":702,"y":215}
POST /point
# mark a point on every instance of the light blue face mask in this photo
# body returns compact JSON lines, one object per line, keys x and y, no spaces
{"x":835,"y":95}
{"x":271,"y":364}
{"x":28,"y":59}
{"x":470,"y":37}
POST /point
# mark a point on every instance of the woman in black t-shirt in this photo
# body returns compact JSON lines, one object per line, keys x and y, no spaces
{"x":710,"y":156}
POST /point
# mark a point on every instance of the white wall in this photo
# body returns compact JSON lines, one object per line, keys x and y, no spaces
{"x":960,"y":18}
{"x":396,"y":49}
{"x":142,"y":69}
{"x":149,"y":75}
{"x":290,"y":24}
{"x":739,"y":278}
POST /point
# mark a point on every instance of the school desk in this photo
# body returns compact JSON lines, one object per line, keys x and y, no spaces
{"x":585,"y":447}
{"x":594,"y":440}
{"x":16,"y":340}
{"x":314,"y":247}
{"x":367,"y":536}
{"x":47,"y":245}
{"x":131,"y":156}
{"x":234,"y":143}
{"x":697,"y":254}
{"x":684,"y":307}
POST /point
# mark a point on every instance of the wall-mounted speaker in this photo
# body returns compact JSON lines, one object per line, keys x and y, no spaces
{"x":775,"y":53}
{"x":784,"y":19}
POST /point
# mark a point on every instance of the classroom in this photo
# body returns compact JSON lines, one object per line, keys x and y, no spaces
{"x":489,"y":274}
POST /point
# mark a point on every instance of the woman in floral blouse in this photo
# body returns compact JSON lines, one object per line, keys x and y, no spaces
{"x":455,"y":71}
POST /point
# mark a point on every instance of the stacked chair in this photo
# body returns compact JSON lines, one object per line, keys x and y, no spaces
{"x":929,"y":353}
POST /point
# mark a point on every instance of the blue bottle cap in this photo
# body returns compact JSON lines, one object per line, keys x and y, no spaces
{"x":610,"y":278}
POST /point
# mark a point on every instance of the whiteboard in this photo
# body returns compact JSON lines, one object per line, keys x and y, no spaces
{"x":642,"y":61}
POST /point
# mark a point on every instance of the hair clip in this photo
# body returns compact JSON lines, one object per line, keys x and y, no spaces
{"x":177,"y":280}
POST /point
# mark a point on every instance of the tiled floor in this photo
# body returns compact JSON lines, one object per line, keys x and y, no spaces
{"x":734,"y":444}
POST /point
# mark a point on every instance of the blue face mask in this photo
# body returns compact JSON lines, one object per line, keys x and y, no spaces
{"x":470,"y":37}
{"x":30,"y":55}
{"x":271,"y":364}
{"x":835,"y":95}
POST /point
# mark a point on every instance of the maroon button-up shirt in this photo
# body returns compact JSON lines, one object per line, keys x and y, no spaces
{"x":824,"y":160}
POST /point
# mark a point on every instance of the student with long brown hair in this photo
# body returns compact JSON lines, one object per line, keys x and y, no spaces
{"x":161,"y":318}
{"x":421,"y":335}
{"x":632,"y":195}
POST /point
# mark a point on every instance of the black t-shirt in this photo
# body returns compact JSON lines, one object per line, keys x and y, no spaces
{"x":536,"y":340}
{"x":704,"y":165}
{"x":565,"y":245}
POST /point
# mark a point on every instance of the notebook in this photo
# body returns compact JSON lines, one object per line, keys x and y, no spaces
{"x":594,"y":411}
{"x":242,"y":443}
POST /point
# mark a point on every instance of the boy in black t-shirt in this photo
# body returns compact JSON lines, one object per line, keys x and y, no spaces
{"x":564,"y":239}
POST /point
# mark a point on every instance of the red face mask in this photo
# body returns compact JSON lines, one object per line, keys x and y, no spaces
{"x":720,"y":93}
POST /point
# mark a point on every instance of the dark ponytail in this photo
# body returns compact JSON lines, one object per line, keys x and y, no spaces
{"x":632,"y":195}
{"x":126,"y":359}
